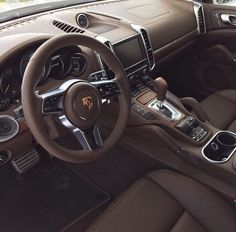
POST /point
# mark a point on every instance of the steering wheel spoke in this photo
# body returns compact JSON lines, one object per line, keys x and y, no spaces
{"x":77,"y":103}
{"x":52,"y":102}
{"x":89,"y":139}
{"x":108,"y":89}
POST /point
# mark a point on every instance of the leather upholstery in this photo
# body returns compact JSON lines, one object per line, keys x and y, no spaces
{"x":221,"y":109}
{"x":166,"y":201}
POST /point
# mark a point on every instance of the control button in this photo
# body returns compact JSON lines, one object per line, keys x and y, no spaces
{"x":19,"y":112}
{"x":97,"y":76}
{"x":198,"y":134}
{"x":135,"y":93}
{"x":50,"y":104}
{"x":149,"y":116}
{"x":4,"y":157}
{"x":140,"y":110}
{"x":108,"y":90}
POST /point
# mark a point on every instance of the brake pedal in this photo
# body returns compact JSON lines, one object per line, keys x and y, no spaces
{"x":26,"y":161}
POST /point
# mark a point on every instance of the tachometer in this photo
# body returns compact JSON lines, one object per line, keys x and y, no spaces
{"x":23,"y":64}
{"x":57,"y":67}
{"x":9,"y":84}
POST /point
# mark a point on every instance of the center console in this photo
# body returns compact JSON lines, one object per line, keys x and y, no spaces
{"x":151,"y":100}
{"x":158,"y":115}
{"x":152,"y":103}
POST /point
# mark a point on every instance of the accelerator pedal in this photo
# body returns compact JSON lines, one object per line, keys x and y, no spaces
{"x":26,"y":161}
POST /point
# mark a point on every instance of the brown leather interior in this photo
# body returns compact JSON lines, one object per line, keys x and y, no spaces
{"x":167,"y":201}
{"x":221,"y":109}
{"x":184,"y":44}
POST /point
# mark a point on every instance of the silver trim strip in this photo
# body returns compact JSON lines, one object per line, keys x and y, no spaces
{"x":87,"y":22}
{"x":138,"y":29}
{"x":133,"y":65}
{"x":197,"y":6}
{"x":17,"y":128}
{"x":226,"y":19}
{"x":80,"y":134}
{"x":213,"y":161}
{"x":176,"y":114}
{"x":60,"y":91}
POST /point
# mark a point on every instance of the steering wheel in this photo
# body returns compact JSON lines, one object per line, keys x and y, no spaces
{"x":77,"y":103}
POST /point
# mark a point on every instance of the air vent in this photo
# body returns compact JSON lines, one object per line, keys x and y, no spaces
{"x":66,"y":27}
{"x":201,"y":20}
{"x":148,"y":47}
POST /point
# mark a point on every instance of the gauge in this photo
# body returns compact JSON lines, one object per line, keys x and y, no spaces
{"x":4,"y":102}
{"x":78,"y":64}
{"x":57,"y":67}
{"x":83,"y":21}
{"x":24,"y":62}
{"x":9,"y":84}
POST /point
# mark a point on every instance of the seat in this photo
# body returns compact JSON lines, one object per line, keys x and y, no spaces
{"x":221,"y":109}
{"x":167,"y":201}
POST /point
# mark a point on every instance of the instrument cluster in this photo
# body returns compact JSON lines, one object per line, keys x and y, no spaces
{"x":65,"y":62}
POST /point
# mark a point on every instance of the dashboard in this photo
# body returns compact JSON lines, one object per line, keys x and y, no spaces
{"x":66,"y":61}
{"x":141,"y":33}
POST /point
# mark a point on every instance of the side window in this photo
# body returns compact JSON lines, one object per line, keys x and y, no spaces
{"x":225,"y":2}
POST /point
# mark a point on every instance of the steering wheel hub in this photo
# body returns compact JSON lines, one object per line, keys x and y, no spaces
{"x":83,"y":104}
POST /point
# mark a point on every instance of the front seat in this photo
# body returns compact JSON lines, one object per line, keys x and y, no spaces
{"x":167,"y":201}
{"x":221,"y":109}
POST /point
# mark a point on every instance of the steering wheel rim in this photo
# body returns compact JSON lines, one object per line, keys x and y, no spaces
{"x":32,"y":103}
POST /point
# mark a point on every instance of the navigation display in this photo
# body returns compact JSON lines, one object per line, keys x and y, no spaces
{"x":129,"y":52}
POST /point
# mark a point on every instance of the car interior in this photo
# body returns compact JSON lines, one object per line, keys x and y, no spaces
{"x":119,"y":116}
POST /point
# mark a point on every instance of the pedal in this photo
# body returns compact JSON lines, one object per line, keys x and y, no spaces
{"x":26,"y":161}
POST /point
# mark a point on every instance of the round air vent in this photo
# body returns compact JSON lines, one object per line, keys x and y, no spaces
{"x":9,"y":127}
{"x":83,"y":21}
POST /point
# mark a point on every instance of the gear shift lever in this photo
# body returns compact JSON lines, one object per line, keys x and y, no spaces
{"x":160,"y":87}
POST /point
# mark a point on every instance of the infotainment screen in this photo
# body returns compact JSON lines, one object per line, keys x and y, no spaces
{"x":130,"y":52}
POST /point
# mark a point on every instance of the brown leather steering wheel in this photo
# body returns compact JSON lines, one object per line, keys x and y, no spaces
{"x":76,"y":103}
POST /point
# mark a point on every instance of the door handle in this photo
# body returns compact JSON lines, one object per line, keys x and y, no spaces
{"x":228,"y":19}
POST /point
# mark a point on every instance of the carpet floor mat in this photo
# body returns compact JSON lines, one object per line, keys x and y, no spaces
{"x":34,"y":203}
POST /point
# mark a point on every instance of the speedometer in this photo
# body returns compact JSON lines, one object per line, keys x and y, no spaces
{"x":78,"y":64}
{"x":9,"y":84}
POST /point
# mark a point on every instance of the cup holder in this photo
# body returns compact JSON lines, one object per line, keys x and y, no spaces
{"x":221,"y":147}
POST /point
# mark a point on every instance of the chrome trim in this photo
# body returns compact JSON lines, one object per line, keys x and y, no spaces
{"x":197,"y":6}
{"x":213,"y":161}
{"x":77,"y":20}
{"x":138,"y":29}
{"x":80,"y":135}
{"x":16,"y":129}
{"x":103,"y":72}
{"x":226,"y":19}
{"x":60,"y":91}
{"x":126,"y":38}
{"x":155,"y":105}
{"x":106,"y":41}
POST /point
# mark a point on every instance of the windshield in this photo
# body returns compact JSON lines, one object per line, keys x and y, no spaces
{"x":12,"y":9}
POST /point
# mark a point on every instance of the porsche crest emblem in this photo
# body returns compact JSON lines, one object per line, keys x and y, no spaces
{"x":87,"y":102}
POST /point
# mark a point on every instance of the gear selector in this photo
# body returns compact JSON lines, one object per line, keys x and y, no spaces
{"x":160,"y":104}
{"x":160,"y":86}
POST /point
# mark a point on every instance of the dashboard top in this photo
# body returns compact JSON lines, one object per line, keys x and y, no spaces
{"x":165,"y":20}
{"x":154,"y":24}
